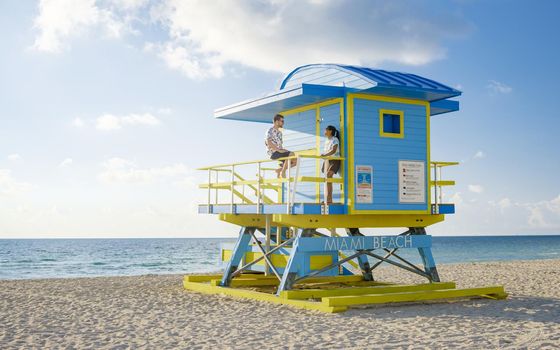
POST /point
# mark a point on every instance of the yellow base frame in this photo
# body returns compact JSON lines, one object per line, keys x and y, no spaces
{"x":320,"y":221}
{"x":337,"y":293}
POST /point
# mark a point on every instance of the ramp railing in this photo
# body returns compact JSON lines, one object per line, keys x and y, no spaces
{"x":438,"y":183}
{"x":256,"y":182}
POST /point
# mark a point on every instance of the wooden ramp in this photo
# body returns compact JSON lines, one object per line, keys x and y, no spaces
{"x":337,"y":293}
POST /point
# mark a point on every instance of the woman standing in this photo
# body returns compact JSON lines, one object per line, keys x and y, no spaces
{"x":331,"y":149}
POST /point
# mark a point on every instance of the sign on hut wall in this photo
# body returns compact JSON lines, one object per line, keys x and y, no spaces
{"x":412,"y":181}
{"x":364,"y":184}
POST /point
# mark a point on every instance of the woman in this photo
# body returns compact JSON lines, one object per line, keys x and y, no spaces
{"x":331,"y":149}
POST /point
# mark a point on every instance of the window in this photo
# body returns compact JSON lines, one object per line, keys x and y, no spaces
{"x":391,"y":123}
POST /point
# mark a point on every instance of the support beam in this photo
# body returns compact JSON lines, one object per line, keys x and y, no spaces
{"x":362,"y":259}
{"x":240,"y":248}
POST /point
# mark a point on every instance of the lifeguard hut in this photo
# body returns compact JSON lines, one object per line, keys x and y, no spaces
{"x":289,"y":250}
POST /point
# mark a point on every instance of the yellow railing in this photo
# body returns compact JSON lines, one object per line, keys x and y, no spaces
{"x":262,"y":184}
{"x":437,"y":182}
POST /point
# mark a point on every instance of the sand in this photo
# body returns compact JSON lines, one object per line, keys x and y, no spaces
{"x":155,"y":312}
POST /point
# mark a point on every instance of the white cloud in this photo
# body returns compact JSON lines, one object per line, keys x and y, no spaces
{"x":165,"y":110}
{"x":119,"y":170}
{"x":78,"y":122}
{"x":479,"y":155}
{"x":9,"y":186}
{"x":113,"y":122}
{"x":544,"y":214}
{"x":268,"y":35}
{"x":60,"y":20}
{"x":498,"y":87}
{"x":204,"y":38}
{"x":66,"y":163}
{"x":14,"y":157}
{"x":476,"y":188}
{"x":505,"y":203}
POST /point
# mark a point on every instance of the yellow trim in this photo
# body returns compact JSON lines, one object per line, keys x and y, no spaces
{"x":316,"y":262}
{"x":318,"y":146}
{"x":494,"y":291}
{"x":245,"y":220}
{"x":389,"y":99}
{"x":342,"y":148}
{"x":382,"y":113}
{"x":442,"y":183}
{"x":428,"y":159}
{"x":357,"y":220}
{"x":350,"y":151}
{"x":311,"y":106}
{"x":442,"y":164}
{"x":249,"y":294}
{"x":336,"y":299}
{"x":380,"y":289}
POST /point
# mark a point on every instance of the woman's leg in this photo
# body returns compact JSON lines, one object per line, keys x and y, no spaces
{"x":329,"y":187}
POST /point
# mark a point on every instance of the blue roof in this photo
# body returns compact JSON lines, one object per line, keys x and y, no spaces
{"x":371,"y":80}
{"x":318,"y":82}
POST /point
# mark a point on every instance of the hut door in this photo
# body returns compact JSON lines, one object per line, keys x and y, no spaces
{"x":329,"y":115}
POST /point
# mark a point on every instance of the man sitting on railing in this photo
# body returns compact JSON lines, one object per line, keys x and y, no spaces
{"x":273,"y":142}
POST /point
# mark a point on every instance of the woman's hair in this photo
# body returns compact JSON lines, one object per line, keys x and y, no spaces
{"x":334,"y":132}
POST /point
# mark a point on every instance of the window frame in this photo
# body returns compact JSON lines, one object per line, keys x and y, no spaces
{"x":398,"y":135}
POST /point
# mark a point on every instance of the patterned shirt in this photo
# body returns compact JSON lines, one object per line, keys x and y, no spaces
{"x":275,"y":137}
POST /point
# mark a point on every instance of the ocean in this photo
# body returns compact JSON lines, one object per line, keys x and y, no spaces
{"x":54,"y":258}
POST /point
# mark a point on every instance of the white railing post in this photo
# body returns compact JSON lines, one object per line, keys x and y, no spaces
{"x":209,"y":189}
{"x":440,"y":187}
{"x":436,"y":207}
{"x":232,"y":188}
{"x":288,"y":206}
{"x":259,"y":180}
{"x":294,"y":188}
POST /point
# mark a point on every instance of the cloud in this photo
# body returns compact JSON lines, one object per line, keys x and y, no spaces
{"x":66,"y":163}
{"x":78,"y":122}
{"x":9,"y":186}
{"x":498,"y":88}
{"x":14,"y":157}
{"x":113,"y":122}
{"x":476,"y":188}
{"x":60,"y":20}
{"x":203,"y":39}
{"x":165,"y":110}
{"x":119,"y":170}
{"x":544,"y":214}
{"x":479,"y":155}
{"x":268,"y":35}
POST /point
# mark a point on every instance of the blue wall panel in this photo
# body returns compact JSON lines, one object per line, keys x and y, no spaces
{"x":383,"y":153}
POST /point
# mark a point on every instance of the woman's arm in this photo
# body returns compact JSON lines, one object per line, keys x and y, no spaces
{"x":331,"y":152}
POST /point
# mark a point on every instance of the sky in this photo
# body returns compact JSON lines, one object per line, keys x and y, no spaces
{"x":106,"y":106}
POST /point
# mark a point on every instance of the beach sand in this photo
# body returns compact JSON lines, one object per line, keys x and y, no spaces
{"x":155,"y":312}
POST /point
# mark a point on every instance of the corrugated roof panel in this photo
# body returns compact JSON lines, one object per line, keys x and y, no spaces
{"x":370,"y":79}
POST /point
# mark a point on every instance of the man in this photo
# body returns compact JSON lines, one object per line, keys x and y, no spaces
{"x":273,"y":142}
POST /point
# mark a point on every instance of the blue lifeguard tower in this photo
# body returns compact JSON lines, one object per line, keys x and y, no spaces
{"x":387,"y":179}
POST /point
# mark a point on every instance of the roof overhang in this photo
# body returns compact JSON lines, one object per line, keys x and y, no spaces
{"x":443,"y":106}
{"x":264,"y":108}
{"x":412,"y":93}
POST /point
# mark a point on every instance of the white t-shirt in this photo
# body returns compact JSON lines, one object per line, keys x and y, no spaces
{"x":329,"y":144}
